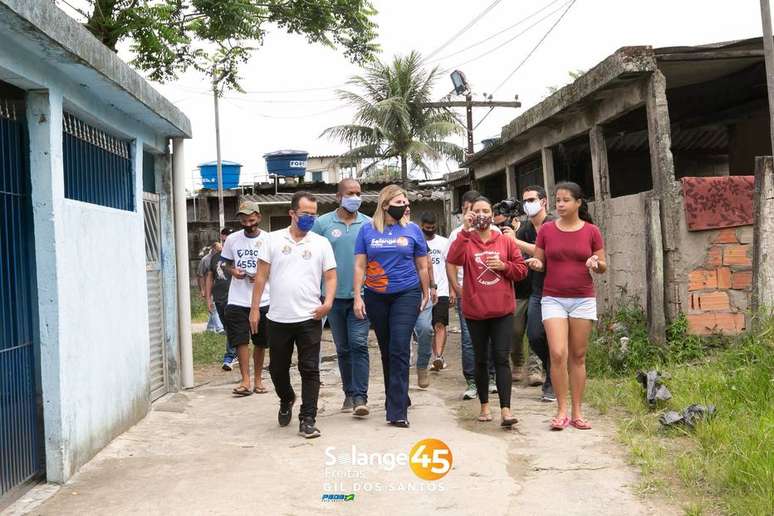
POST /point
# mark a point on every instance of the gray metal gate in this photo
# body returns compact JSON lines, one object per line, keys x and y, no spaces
{"x":158,"y":358}
{"x":21,"y":457}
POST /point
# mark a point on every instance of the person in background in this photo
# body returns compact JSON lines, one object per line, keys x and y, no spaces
{"x":492,"y":263}
{"x":294,"y":266}
{"x":535,"y":204}
{"x":437,"y":248}
{"x":390,"y":253}
{"x":569,"y":249}
{"x":217,"y":283}
{"x":350,"y":334}
{"x":423,"y":329}
{"x":240,"y":256}
{"x":455,"y":276}
{"x":214,"y":322}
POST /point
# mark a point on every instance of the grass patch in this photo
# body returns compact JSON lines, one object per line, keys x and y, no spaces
{"x":726,"y":464}
{"x":199,"y":312}
{"x":208,"y":348}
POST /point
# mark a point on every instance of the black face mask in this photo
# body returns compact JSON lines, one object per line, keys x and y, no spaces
{"x":397,"y":212}
{"x":428,"y":234}
{"x":250,"y":229}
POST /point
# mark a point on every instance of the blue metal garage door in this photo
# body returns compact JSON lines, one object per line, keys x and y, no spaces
{"x":21,"y":458}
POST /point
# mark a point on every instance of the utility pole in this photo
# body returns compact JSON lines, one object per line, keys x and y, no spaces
{"x":221,"y":211}
{"x":469,"y":121}
{"x":768,"y":53}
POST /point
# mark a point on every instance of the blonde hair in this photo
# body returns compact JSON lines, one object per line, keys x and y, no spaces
{"x":387,"y":194}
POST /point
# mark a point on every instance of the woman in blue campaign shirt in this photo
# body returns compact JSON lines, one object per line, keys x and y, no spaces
{"x":390,"y":255}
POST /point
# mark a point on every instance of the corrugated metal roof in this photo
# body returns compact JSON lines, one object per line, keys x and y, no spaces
{"x":329,"y":198}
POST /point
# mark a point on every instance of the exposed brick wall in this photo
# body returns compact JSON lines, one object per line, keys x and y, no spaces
{"x":715,"y":303}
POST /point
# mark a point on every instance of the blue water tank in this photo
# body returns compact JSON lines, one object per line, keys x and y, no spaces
{"x":287,"y":163}
{"x":230,"y":172}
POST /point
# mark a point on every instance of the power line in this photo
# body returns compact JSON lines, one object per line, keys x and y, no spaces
{"x":464,"y":29}
{"x":506,"y":29}
{"x":534,"y":49}
{"x":508,"y":41}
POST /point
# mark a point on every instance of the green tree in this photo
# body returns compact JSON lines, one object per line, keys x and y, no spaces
{"x":216,"y":37}
{"x":392,"y":119}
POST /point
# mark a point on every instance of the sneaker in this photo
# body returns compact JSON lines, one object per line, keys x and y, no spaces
{"x":445,"y":365}
{"x":285,"y":414}
{"x":470,"y":393}
{"x":548,"y":395}
{"x":229,"y":365}
{"x":307,"y":430}
{"x":347,"y":405}
{"x":534,"y":379}
{"x":438,"y":364}
{"x":423,"y":378}
{"x":492,"y":386}
{"x":401,"y":423}
{"x":361,"y":409}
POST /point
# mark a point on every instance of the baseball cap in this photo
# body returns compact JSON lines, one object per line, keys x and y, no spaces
{"x":248,"y":208}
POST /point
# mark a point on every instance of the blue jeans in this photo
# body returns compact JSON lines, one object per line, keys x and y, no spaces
{"x":231,"y":352}
{"x":468,"y":355}
{"x":350,"y":335}
{"x":393,"y":317}
{"x":213,"y":322}
{"x":424,"y":332}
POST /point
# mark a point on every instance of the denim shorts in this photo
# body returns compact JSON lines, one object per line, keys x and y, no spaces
{"x":569,"y":307}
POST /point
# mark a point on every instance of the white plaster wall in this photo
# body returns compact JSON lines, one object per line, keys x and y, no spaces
{"x":103,"y":335}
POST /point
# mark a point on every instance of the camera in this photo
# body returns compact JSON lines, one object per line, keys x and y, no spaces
{"x":510,"y":209}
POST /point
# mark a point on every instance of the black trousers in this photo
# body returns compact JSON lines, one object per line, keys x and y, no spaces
{"x":306,"y":336}
{"x":498,"y":330}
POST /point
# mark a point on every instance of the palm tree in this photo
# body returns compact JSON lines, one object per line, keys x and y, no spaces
{"x":392,"y":119}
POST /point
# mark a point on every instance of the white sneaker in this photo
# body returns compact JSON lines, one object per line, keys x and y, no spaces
{"x":470,"y":393}
{"x":492,"y":387}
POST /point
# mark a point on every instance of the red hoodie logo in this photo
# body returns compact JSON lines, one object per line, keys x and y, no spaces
{"x":485,"y":275}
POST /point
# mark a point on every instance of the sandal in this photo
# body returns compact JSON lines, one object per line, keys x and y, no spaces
{"x":483,"y":418}
{"x":560,"y":423}
{"x":260,"y":390}
{"x":241,"y":391}
{"x":508,"y":422}
{"x":580,"y":424}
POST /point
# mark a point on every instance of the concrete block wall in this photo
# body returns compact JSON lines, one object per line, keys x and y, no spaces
{"x":720,"y":284}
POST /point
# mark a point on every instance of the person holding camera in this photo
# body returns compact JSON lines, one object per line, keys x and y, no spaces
{"x":569,"y":249}
{"x":492,"y":263}
{"x":535,"y":206}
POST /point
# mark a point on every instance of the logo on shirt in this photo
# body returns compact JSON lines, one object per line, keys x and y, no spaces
{"x":402,"y":241}
{"x":336,"y":233}
{"x":257,"y":244}
{"x":485,"y":275}
{"x":307,"y":254}
{"x":286,"y":249}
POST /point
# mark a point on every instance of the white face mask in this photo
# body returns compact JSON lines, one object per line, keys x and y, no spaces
{"x":532,"y":208}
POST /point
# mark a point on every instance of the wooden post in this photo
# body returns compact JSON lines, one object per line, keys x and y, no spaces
{"x":601,"y":175}
{"x":654,"y":270}
{"x":665,"y":188}
{"x":763,"y":237}
{"x":549,"y":179}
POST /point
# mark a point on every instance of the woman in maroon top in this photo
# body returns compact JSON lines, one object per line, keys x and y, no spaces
{"x":491,"y":263}
{"x":569,"y":250}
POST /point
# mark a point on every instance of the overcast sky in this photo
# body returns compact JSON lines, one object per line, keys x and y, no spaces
{"x":294,"y":82}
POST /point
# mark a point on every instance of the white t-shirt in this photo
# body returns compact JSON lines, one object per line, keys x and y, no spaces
{"x":296,"y":272}
{"x":453,"y":237}
{"x":244,"y":251}
{"x":438,"y":247}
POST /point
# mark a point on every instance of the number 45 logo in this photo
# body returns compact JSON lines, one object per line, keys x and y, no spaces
{"x":430,"y":459}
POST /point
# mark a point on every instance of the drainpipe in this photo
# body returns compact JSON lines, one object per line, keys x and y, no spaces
{"x":181,"y":252}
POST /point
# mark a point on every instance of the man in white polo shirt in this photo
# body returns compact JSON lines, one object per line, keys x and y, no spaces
{"x":294,"y":265}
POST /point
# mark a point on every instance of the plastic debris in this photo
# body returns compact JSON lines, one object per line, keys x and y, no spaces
{"x":690,"y":416}
{"x":655,"y":390}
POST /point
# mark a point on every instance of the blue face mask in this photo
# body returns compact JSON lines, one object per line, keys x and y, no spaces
{"x":305,"y":222}
{"x":351,"y":204}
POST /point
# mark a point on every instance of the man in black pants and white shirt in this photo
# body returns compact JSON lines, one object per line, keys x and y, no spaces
{"x":294,"y":264}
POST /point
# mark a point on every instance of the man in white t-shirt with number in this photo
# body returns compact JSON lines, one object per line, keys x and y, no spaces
{"x":437,"y":247}
{"x":240,"y":254}
{"x":294,"y":265}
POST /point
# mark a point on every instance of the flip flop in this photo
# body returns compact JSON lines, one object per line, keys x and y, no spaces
{"x":241,"y":391}
{"x":483,"y":418}
{"x":260,"y":390}
{"x":580,"y":424}
{"x":560,"y":424}
{"x":509,"y":422}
